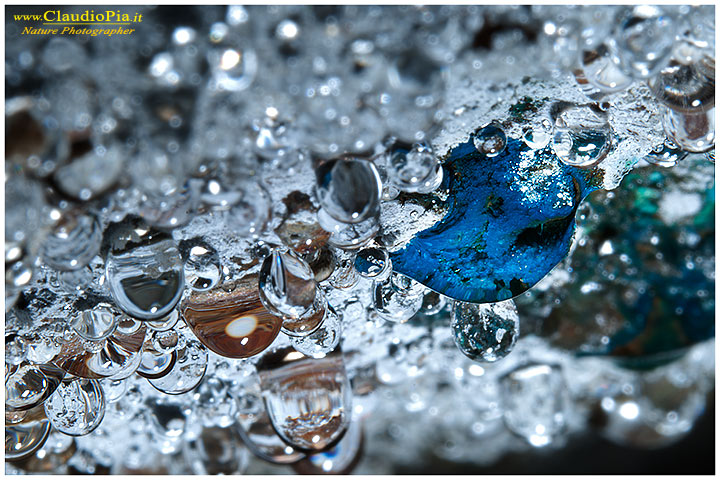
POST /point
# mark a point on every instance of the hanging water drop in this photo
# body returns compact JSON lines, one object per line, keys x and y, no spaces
{"x":485,"y":332}
{"x":143,"y":269}
{"x":398,"y":298}
{"x":287,"y":284}
{"x":323,"y":340}
{"x":667,"y":154}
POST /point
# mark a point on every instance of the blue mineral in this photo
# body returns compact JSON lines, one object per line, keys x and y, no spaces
{"x":509,"y":221}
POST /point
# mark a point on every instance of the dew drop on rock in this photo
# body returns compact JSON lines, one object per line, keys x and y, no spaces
{"x":490,"y":140}
{"x":309,"y":401}
{"x":485,"y":332}
{"x":96,"y":324}
{"x":349,"y":189}
{"x":538,"y":136}
{"x":202,"y":268}
{"x":77,"y":406}
{"x":666,"y":154}
{"x":414,"y":168}
{"x":323,"y":340}
{"x":373,"y":262}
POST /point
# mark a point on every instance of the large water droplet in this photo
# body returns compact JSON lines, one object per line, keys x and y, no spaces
{"x":349,"y":189}
{"x":231,"y":320}
{"x":686,"y":88}
{"x":535,"y":402}
{"x":644,"y":39}
{"x":694,"y":132}
{"x":485,"y":332}
{"x":72,"y":242}
{"x":26,"y":437}
{"x":398,"y":298}
{"x":490,"y":140}
{"x":188,"y":371}
{"x":309,"y":401}
{"x":96,"y":324}
{"x":414,"y":168}
{"x":30,"y":385}
{"x":144,"y":270}
{"x":287,"y":284}
{"x":77,"y":407}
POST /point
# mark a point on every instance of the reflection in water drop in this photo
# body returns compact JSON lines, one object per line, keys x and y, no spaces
{"x":485,"y":332}
{"x":188,"y":371}
{"x":72,"y":242}
{"x":147,"y":280}
{"x":287,"y":284}
{"x":349,"y":189}
{"x":231,"y":320}
{"x":584,"y":148}
{"x":26,"y":437}
{"x":373,"y":263}
{"x":538,"y":136}
{"x":692,"y":132}
{"x":77,"y":407}
{"x":96,"y":324}
{"x":414,"y":168}
{"x":30,"y":385}
{"x":323,"y":340}
{"x":309,"y":401}
{"x":666,"y":155}
{"x":398,"y":298}
{"x":490,"y":140}
{"x":202,"y":268}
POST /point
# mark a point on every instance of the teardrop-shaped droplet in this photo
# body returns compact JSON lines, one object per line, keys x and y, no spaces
{"x":538,"y":136}
{"x":644,"y":38}
{"x":686,"y":88}
{"x":373,"y":262}
{"x":202,"y":268}
{"x":287,"y":284}
{"x":144,"y":271}
{"x":398,"y":298}
{"x":96,"y":324}
{"x":694,"y":132}
{"x":602,"y":69}
{"x":72,"y":242}
{"x":338,"y":460}
{"x":535,"y":402}
{"x":490,"y":140}
{"x":30,"y":385}
{"x":77,"y":407}
{"x":414,"y":168}
{"x":188,"y":371}
{"x":323,"y":340}
{"x":349,"y":189}
{"x":485,"y":332}
{"x":26,"y":437}
{"x":258,"y":433}
{"x":309,"y":401}
{"x":216,"y":451}
{"x":231,"y":320}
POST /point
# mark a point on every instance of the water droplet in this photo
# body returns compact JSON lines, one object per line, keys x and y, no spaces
{"x":24,"y":438}
{"x":485,"y":332}
{"x":144,"y":271}
{"x":25,"y":388}
{"x":644,"y":38}
{"x":73,"y":241}
{"x":287,"y":284}
{"x":666,"y":155}
{"x":15,"y":349}
{"x":538,"y":136}
{"x":398,"y":298}
{"x":96,"y":324}
{"x":686,"y":88}
{"x":231,"y":320}
{"x":213,"y":404}
{"x":602,"y":69}
{"x":258,"y":434}
{"x":156,"y":364}
{"x":691,"y":132}
{"x":490,"y":140}
{"x":348,"y":235}
{"x":580,"y":148}
{"x":323,"y":340}
{"x":233,"y":69}
{"x":216,"y":451}
{"x":77,"y":406}
{"x":535,"y":402}
{"x":309,"y":322}
{"x":309,"y":401}
{"x":250,"y":215}
{"x":345,"y":274}
{"x":373,"y":262}
{"x":188,"y":371}
{"x":349,"y":189}
{"x":338,"y":460}
{"x":165,"y":342}
{"x":164,"y":324}
{"x":414,"y":168}
{"x":433,"y":303}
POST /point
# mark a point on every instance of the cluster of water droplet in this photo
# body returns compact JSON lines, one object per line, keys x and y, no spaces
{"x":198,"y":244}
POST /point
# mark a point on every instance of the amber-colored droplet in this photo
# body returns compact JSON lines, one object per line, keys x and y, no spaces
{"x":231,"y":320}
